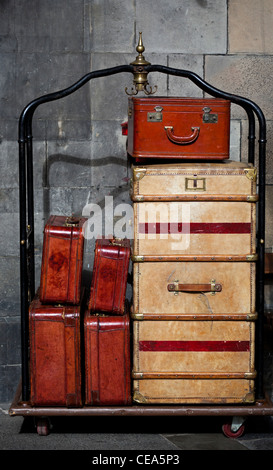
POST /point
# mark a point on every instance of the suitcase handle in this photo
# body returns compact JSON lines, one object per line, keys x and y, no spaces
{"x":72,"y":222}
{"x":212,"y":287}
{"x":182,"y":140}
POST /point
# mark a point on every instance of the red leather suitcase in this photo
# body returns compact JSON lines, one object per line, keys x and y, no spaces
{"x":62,"y":260}
{"x":178,"y":128}
{"x":55,"y":355}
{"x":109,"y":278}
{"x":107,"y":359}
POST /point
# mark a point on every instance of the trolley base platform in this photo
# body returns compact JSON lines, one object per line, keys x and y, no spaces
{"x":238,"y":413}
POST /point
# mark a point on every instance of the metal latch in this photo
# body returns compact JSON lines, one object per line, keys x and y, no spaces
{"x":195,"y":184}
{"x":157,"y":116}
{"x":209,"y":118}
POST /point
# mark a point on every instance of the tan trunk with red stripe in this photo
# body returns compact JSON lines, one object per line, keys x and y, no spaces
{"x":183,"y":210}
{"x":194,"y":283}
{"x":193,"y":361}
{"x":182,"y":228}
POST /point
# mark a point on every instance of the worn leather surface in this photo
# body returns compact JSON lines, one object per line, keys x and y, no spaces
{"x":62,"y":259}
{"x":109,"y":278}
{"x":107,"y":359}
{"x":55,"y":354}
{"x":147,"y":139}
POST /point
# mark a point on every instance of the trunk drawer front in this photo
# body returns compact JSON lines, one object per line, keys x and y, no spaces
{"x":208,"y":348}
{"x":152,"y":294}
{"x":188,"y":181}
{"x":193,"y":391}
{"x":194,"y":228}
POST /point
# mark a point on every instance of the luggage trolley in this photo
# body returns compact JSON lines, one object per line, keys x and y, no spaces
{"x":234,"y":415}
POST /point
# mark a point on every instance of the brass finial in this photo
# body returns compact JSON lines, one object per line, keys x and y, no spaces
{"x":140,"y":59}
{"x":140,"y":74}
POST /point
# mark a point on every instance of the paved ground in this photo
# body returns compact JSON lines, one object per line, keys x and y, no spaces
{"x":134,"y":433}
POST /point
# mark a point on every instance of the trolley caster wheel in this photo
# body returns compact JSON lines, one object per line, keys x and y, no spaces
{"x":42,"y":426}
{"x":235,"y":428}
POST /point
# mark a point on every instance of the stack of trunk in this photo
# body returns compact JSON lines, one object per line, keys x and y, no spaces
{"x":194,"y":255}
{"x":80,"y":344}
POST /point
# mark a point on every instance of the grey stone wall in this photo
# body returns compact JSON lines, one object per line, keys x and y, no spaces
{"x":79,"y":152}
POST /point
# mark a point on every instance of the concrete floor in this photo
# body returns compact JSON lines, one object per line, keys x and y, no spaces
{"x":171,"y":434}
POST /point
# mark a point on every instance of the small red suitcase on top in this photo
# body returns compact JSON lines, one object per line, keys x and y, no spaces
{"x":109,"y":279}
{"x":178,"y":128}
{"x":62,"y":260}
{"x":107,"y":359}
{"x":55,"y":354}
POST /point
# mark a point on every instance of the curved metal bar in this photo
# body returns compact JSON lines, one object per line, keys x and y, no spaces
{"x":28,"y":111}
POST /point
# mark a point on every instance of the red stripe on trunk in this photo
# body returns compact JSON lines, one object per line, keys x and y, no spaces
{"x":194,"y":346}
{"x":179,"y":227}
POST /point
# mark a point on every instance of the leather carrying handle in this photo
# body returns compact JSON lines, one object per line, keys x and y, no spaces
{"x":182,"y":140}
{"x":212,"y":287}
{"x":72,"y":221}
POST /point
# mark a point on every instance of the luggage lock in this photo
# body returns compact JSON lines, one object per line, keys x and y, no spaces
{"x":157,"y":116}
{"x":195,"y":184}
{"x":209,"y":118}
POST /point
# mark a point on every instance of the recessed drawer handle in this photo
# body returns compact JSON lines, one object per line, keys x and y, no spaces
{"x":182,"y":140}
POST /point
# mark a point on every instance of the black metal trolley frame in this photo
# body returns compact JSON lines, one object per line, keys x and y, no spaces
{"x":140,"y":69}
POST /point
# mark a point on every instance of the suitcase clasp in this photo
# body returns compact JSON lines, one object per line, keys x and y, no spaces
{"x":209,"y":118}
{"x":157,"y":116}
{"x":195,"y":184}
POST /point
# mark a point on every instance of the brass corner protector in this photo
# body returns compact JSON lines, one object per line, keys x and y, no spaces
{"x":249,"y":398}
{"x":139,"y":173}
{"x":251,"y":173}
{"x":137,"y":397}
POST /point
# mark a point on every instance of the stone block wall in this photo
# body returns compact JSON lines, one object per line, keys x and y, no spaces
{"x":79,"y":151}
